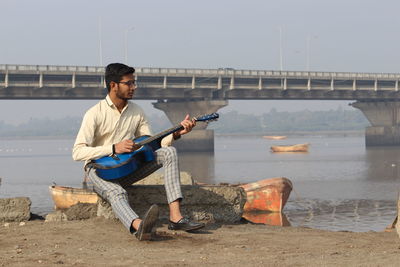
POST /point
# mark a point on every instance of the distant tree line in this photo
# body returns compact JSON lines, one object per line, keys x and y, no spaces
{"x":291,"y":122}
{"x":230,"y":122}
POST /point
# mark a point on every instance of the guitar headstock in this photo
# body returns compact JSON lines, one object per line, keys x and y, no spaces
{"x":207,"y":118}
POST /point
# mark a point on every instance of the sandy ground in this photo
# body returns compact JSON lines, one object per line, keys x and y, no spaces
{"x":101,"y":242}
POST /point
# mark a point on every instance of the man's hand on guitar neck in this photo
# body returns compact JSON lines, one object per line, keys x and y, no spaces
{"x":125,"y":146}
{"x":187,"y":124}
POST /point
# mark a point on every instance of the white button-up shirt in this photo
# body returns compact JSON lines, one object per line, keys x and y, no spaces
{"x":103,"y":125}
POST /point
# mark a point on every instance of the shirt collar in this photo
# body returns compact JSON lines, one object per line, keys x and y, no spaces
{"x":111,"y":104}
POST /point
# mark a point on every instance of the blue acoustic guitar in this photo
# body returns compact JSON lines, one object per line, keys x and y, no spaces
{"x":118,"y":166}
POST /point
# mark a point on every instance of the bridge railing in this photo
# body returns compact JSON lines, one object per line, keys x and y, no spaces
{"x":207,"y":72}
{"x":258,"y":73}
{"x":94,"y":69}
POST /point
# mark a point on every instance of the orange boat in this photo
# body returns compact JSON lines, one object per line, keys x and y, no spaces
{"x":290,"y":148}
{"x":267,"y":195}
{"x":269,"y":218}
{"x":65,"y":197}
{"x":275,"y":137}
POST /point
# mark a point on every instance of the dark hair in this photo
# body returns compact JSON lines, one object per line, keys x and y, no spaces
{"x":115,"y":71}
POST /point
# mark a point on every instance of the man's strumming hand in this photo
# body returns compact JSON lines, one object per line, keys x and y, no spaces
{"x":125,"y":146}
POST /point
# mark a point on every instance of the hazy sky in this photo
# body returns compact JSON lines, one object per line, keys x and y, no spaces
{"x":344,"y":35}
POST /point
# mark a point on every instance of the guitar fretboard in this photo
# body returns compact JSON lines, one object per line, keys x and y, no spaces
{"x":161,"y":135}
{"x":176,"y":128}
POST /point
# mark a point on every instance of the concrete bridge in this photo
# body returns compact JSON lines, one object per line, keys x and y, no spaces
{"x":200,"y":91}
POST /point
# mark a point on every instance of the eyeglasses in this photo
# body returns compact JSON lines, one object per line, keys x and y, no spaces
{"x":129,"y":83}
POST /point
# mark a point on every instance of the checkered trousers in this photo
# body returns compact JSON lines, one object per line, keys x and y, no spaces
{"x":116,"y":195}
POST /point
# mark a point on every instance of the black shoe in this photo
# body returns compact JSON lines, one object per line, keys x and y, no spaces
{"x":147,"y":224}
{"x":185,"y":224}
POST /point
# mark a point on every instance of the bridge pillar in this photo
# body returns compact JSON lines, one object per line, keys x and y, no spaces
{"x":200,"y":139}
{"x":385,"y":122}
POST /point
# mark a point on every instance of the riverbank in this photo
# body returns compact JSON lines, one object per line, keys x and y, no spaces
{"x":101,"y":242}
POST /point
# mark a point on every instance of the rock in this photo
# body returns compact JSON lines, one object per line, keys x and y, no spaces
{"x":81,"y":211}
{"x":203,"y":203}
{"x":104,"y":209}
{"x":78,"y":211}
{"x":15,"y":209}
{"x":157,"y":178}
{"x":56,"y":216}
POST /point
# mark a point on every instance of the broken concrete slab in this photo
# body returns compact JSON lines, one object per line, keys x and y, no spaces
{"x":104,"y":209}
{"x":56,"y":216}
{"x":203,"y":203}
{"x":157,"y":178}
{"x":80,"y":211}
{"x":16,"y":209}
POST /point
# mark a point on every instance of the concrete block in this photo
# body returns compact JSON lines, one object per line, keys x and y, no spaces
{"x":81,"y":211}
{"x":203,"y":203}
{"x":56,"y":216}
{"x":104,"y":209}
{"x":78,"y":211}
{"x":157,"y":178}
{"x":15,"y":209}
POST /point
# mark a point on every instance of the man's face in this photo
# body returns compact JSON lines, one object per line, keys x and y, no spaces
{"x":125,"y":88}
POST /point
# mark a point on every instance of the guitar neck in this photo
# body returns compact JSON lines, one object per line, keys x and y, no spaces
{"x":204,"y":118}
{"x":161,"y":135}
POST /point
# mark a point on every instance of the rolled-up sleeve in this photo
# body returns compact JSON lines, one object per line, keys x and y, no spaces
{"x":82,"y":149}
{"x":167,"y":141}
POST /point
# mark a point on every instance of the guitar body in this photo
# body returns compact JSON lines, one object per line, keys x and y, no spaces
{"x":122,"y":165}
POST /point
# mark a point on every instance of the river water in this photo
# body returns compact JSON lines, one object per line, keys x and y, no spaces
{"x":338,"y":185}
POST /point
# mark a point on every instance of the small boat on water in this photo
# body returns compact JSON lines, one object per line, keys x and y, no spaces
{"x":65,"y":197}
{"x":267,"y":195}
{"x":291,"y":148}
{"x":274,"y":137}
